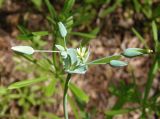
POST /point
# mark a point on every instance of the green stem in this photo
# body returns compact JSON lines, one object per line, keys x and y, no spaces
{"x":65,"y":45}
{"x":46,"y":51}
{"x":148,"y":86}
{"x":65,"y":96}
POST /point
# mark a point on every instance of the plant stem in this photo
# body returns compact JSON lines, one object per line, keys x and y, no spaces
{"x":65,"y":96}
{"x":45,"y":51}
{"x":65,"y":45}
{"x":148,"y":86}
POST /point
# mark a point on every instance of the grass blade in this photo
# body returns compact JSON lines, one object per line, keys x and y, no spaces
{"x":140,"y":38}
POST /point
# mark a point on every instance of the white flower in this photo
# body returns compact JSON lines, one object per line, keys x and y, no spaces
{"x":83,"y":53}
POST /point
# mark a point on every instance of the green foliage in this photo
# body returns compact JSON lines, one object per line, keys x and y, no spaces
{"x":80,"y":94}
{"x":147,"y":9}
{"x":51,"y":88}
{"x":156,"y":13}
{"x":25,"y":98}
{"x":50,"y":115}
{"x":34,"y":37}
{"x":105,"y":60}
{"x":68,"y":5}
{"x":155,"y":36}
{"x":26,"y":83}
{"x":117,"y":112}
{"x":125,"y":93}
{"x":37,"y":3}
{"x":1,"y":3}
{"x":111,"y":9}
{"x":152,"y":72}
{"x":40,"y":33}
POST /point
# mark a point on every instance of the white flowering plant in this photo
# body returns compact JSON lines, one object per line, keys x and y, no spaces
{"x":74,"y":60}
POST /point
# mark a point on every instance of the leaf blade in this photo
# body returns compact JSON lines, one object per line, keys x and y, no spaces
{"x":40,"y":33}
{"x":80,"y":94}
{"x":50,"y":89}
{"x":68,"y":6}
{"x":105,"y":60}
{"x":23,"y":49}
{"x":62,"y":29}
{"x":25,"y":83}
{"x":117,"y":112}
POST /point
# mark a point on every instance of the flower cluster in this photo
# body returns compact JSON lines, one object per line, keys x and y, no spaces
{"x":83,"y":54}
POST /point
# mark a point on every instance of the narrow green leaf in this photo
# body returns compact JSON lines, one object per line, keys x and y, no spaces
{"x":80,"y":94}
{"x":109,"y":10}
{"x":156,"y":12}
{"x":23,"y":49}
{"x":74,"y":107}
{"x":140,"y":38}
{"x":85,"y":35}
{"x":23,"y":29}
{"x":117,"y":63}
{"x":155,"y":36}
{"x":51,"y":9}
{"x":40,"y":33}
{"x":68,"y":6}
{"x":62,"y":29}
{"x":25,"y":37}
{"x":24,"y":83}
{"x":137,"y":5}
{"x":117,"y":112}
{"x":50,"y":89}
{"x":52,"y":21}
{"x":151,"y":76}
{"x":155,"y":31}
{"x":50,"y":115}
{"x":105,"y":60}
{"x":69,"y":23}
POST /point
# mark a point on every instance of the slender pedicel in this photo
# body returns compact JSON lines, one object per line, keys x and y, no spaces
{"x":45,"y":51}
